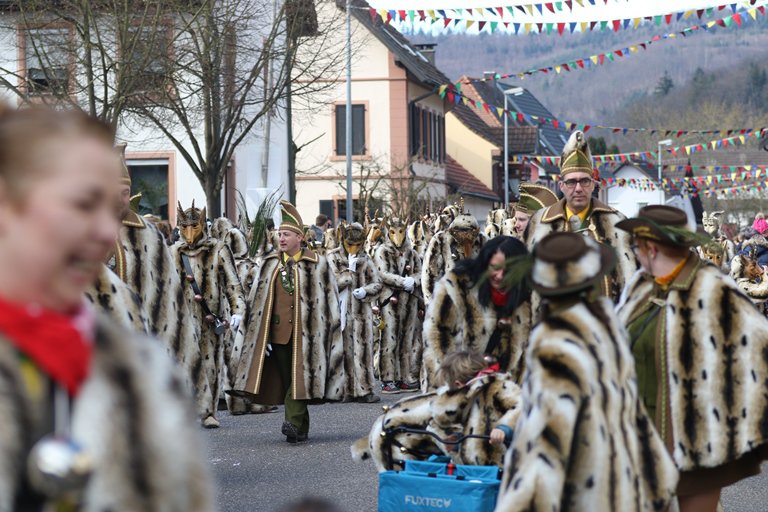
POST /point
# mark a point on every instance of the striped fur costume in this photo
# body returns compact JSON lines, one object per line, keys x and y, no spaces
{"x":455,"y":320}
{"x":477,"y":408}
{"x":583,"y":440}
{"x":357,"y":319}
{"x":321,"y":365}
{"x":216,"y":275}
{"x":400,"y":348}
{"x":601,"y":227}
{"x":144,"y":262}
{"x":716,"y":347}
{"x":116,"y":300}
{"x":444,"y":251}
{"x":133,"y":418}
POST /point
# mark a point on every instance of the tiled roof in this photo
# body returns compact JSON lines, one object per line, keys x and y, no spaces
{"x":413,"y":60}
{"x":522,"y":139}
{"x":461,"y":181}
{"x":492,"y":92}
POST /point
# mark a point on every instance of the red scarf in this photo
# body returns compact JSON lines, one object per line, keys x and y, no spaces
{"x":490,"y":370}
{"x":58,"y":344}
{"x":498,"y":297}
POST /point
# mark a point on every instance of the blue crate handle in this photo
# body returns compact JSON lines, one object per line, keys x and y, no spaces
{"x":390,"y":433}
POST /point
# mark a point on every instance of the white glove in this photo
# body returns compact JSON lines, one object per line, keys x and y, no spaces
{"x":352,"y":262}
{"x":408,"y":284}
{"x":268,"y":351}
{"x":234,"y":322}
{"x":359,"y":293}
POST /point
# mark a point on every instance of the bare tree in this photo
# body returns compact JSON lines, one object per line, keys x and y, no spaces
{"x":202,"y":72}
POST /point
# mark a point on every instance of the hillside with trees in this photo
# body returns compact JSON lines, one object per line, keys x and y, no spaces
{"x":708,"y":80}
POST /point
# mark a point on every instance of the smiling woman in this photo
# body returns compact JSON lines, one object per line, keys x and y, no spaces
{"x":71,"y":384}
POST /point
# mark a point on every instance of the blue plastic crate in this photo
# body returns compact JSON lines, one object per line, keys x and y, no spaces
{"x":425,"y":486}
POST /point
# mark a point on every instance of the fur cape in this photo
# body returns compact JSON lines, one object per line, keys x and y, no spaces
{"x":455,"y":320}
{"x":321,"y":365}
{"x":442,"y":254}
{"x":419,"y":234}
{"x":133,"y":418}
{"x":583,"y":440}
{"x":477,"y":408}
{"x":144,"y":262}
{"x":216,"y":275}
{"x":115,"y":300}
{"x":715,"y":342}
{"x":602,"y":228}
{"x":400,"y":348}
{"x":357,"y":323}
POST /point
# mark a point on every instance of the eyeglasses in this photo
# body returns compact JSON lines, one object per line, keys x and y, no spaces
{"x":584,"y":182}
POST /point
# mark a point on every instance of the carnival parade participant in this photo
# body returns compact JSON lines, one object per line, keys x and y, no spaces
{"x":699,"y":347}
{"x":578,"y":211}
{"x":473,"y":310}
{"x":359,"y":285}
{"x":78,"y":389}
{"x":401,"y":347}
{"x":212,"y":291}
{"x":462,"y":240}
{"x":142,"y":259}
{"x":292,"y":329}
{"x":473,"y":398}
{"x":533,"y":198}
{"x":420,"y":234}
{"x":114,"y":299}
{"x":583,"y":441}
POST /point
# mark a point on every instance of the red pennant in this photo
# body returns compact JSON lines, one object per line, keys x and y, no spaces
{"x":446,"y":22}
{"x":668,"y":18}
{"x":580,"y":63}
{"x":550,"y":7}
{"x":373,"y":13}
{"x":619,"y":53}
{"x":480,"y":26}
{"x":402,"y":15}
{"x":737,"y":19}
{"x":500,"y":10}
{"x":560,"y":28}
{"x":616,"y":25}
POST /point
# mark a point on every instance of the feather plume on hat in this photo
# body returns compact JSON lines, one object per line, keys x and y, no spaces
{"x":576,"y":156}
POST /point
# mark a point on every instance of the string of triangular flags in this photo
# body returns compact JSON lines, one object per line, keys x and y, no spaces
{"x":451,"y":93}
{"x":747,"y":181}
{"x":608,"y":57}
{"x":458,"y":18}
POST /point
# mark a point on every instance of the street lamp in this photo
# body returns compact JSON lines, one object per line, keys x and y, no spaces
{"x":513,"y":91}
{"x":665,"y":142}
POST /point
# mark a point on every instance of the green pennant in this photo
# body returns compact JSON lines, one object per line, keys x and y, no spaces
{"x":657,"y":20}
{"x":550,"y":27}
{"x":494,"y":25}
{"x":511,"y":10}
{"x":603,"y":25}
{"x":559,"y":6}
{"x":610,"y":56}
{"x":728,"y":21}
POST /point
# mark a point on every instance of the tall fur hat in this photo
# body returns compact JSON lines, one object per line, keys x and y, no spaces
{"x":576,"y":155}
{"x":291,"y":220}
{"x":464,"y":221}
{"x":565,"y":263}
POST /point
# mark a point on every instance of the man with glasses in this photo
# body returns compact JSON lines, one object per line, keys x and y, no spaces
{"x":579,"y":212}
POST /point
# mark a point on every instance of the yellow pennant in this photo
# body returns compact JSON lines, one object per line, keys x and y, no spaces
{"x":742,"y":138}
{"x":753,"y":13}
{"x":636,"y":22}
{"x":584,"y":26}
{"x":557,"y":69}
{"x":593,"y":59}
{"x":470,"y":23}
{"x":431,"y":13}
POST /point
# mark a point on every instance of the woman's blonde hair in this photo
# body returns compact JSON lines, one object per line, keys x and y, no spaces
{"x":24,"y":131}
{"x":460,"y":366}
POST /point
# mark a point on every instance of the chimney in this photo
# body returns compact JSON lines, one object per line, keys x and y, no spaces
{"x":427,"y":50}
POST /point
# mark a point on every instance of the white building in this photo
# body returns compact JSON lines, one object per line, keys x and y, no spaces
{"x":159,"y":169}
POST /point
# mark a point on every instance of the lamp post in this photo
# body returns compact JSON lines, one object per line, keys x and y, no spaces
{"x":513,"y":91}
{"x":348,"y":112}
{"x":665,"y":142}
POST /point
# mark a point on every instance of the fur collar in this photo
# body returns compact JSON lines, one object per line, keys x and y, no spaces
{"x":557,"y":210}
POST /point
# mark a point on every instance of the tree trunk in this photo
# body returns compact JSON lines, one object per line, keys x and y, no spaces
{"x":213,"y":196}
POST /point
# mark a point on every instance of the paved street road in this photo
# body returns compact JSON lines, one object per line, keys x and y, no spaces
{"x":256,"y":470}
